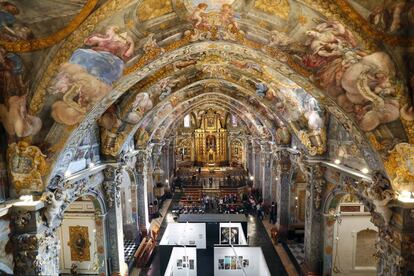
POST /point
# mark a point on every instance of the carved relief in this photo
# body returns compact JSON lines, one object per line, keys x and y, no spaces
{"x":21,"y":218}
{"x":27,"y":166}
{"x":112,"y":186}
{"x":318,"y":182}
{"x":376,"y":195}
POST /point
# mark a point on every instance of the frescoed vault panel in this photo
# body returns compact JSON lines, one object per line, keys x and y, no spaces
{"x":343,"y":72}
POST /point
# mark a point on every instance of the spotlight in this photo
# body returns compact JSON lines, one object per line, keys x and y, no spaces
{"x":365,"y":170}
{"x":68,"y":173}
{"x":252,"y":178}
{"x":166,"y":181}
{"x":295,"y":147}
{"x":337,"y":161}
{"x":91,"y":165}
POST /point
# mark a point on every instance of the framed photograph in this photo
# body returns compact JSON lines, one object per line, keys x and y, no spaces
{"x":234,"y":235}
{"x":239,"y":262}
{"x":191,"y":264}
{"x":179,"y":263}
{"x":221,"y":264}
{"x":225,"y":235}
{"x":233,"y":264}
{"x":246,"y":263}
{"x":227,"y":261}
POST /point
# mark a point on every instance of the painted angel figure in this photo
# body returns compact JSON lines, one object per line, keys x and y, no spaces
{"x":198,"y":17}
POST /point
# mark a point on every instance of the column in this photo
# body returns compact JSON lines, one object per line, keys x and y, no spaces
{"x":396,"y":255}
{"x":266,"y":172}
{"x":283,"y":189}
{"x":314,"y":219}
{"x":36,"y":246}
{"x":142,"y":193}
{"x":112,"y":189}
{"x":257,"y":172}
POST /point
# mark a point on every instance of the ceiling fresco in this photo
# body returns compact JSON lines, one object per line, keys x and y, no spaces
{"x":32,"y":25}
{"x":395,"y":17}
{"x":135,"y":66}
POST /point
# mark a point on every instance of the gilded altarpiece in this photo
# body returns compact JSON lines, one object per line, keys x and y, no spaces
{"x":210,"y":141}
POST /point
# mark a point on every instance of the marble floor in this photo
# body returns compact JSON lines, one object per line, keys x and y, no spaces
{"x":258,"y":236}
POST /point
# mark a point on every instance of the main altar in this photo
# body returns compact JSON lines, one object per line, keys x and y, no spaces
{"x":210,"y":141}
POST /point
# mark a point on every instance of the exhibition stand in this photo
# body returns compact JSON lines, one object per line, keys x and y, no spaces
{"x":183,"y":262}
{"x":188,"y":247}
{"x":236,"y":260}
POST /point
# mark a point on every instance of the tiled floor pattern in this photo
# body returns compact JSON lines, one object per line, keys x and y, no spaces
{"x":129,"y":249}
{"x":297,"y":250}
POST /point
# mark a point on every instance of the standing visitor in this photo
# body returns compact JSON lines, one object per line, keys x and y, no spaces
{"x":272,"y":218}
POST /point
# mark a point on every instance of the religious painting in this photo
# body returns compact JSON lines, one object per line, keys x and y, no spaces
{"x":389,"y":16}
{"x":31,"y":25}
{"x":87,"y":77}
{"x":79,"y":243}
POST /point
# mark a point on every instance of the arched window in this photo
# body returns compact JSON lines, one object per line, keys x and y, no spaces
{"x":187,"y":122}
{"x":233,"y":120}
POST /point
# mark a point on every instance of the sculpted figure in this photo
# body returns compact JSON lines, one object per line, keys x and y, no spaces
{"x":52,"y":208}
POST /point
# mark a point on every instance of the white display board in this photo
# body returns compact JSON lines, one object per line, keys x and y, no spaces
{"x":185,"y":234}
{"x":239,"y":261}
{"x":232,"y":233}
{"x":183,"y":262}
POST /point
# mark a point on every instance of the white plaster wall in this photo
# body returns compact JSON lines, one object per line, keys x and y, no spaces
{"x":347,"y":232}
{"x":257,"y":263}
{"x":80,"y":213}
{"x":178,"y":253}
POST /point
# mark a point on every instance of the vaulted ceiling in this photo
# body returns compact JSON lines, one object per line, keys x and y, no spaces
{"x":136,"y":67}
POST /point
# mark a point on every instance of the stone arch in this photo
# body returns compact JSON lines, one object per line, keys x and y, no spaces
{"x":98,"y":259}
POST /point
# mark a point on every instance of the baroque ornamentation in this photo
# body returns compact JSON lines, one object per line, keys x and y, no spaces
{"x":376,"y":195}
{"x":21,"y":218}
{"x":41,"y":43}
{"x":317,"y":183}
{"x":112,"y":186}
{"x":27,"y":166}
{"x":111,"y":143}
{"x":400,"y":164}
{"x":280,"y":8}
{"x":52,"y":212}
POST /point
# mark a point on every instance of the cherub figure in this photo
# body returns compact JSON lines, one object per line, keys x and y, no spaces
{"x":199,"y":15}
